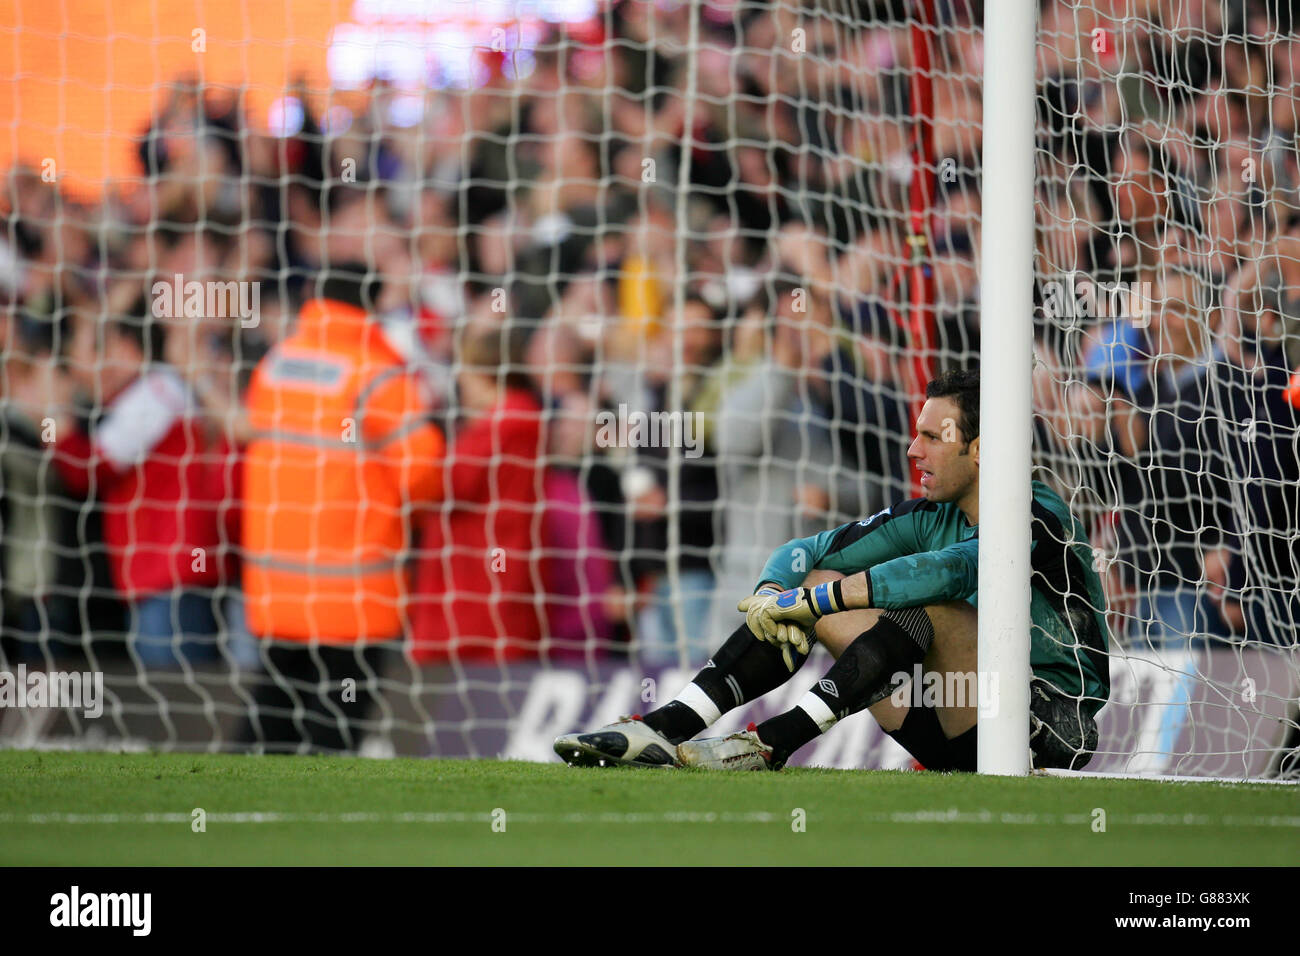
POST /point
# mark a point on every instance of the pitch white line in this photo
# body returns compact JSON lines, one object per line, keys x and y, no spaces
{"x":1076,"y":819}
{"x":949,"y":816}
{"x":450,"y":817}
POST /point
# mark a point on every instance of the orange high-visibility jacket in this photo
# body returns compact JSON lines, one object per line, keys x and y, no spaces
{"x":342,"y":450}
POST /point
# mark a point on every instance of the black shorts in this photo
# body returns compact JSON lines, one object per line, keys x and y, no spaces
{"x":1061,"y":734}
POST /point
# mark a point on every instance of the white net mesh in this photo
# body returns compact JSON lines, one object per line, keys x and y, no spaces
{"x":761,"y":219}
{"x":1167,"y":267}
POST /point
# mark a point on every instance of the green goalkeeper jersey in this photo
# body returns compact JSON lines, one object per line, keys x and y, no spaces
{"x":920,"y":552}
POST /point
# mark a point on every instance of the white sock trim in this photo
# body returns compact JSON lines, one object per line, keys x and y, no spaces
{"x":693,"y":696}
{"x":816,"y":708}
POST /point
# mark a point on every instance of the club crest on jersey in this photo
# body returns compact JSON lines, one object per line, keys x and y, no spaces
{"x":883,"y":511}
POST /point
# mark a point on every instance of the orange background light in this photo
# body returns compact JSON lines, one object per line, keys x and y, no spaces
{"x":83,"y":77}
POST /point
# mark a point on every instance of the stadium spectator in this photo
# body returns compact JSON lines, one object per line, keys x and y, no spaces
{"x":480,"y":583}
{"x":561,"y":357}
{"x":772,"y":444}
{"x":1174,"y":511}
{"x":576,"y":569}
{"x":441,"y":297}
{"x":341,"y":456}
{"x":852,"y":380}
{"x":160,"y":477}
{"x":42,"y":553}
{"x":1252,"y":577}
{"x":694,"y":512}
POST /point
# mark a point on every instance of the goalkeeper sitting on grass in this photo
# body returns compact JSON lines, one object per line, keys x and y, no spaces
{"x":883,"y":595}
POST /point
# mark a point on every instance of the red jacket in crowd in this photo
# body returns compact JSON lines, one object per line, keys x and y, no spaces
{"x":479,"y":594}
{"x":164,"y":487}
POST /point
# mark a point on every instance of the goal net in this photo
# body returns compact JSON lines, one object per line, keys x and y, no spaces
{"x":623,"y":296}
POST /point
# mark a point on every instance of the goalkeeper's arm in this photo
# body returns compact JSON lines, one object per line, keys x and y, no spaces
{"x":914,"y":580}
{"x":849,"y":548}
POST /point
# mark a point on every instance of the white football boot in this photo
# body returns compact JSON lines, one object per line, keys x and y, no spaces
{"x":627,"y":741}
{"x":738,"y":751}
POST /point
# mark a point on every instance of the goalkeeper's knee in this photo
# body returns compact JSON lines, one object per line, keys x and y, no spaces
{"x":867,"y":670}
{"x":862,"y":675}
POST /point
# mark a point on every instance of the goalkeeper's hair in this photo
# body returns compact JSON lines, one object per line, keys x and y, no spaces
{"x":963,"y":387}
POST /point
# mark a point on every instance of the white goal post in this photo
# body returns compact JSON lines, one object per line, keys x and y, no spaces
{"x":1006,"y":400}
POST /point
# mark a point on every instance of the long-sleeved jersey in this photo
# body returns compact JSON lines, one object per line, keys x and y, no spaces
{"x":920,"y":552}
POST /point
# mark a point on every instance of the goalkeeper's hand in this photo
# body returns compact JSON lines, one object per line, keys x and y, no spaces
{"x":752,"y":607}
{"x":801,"y":607}
{"x":791,"y":638}
{"x":788,"y":637}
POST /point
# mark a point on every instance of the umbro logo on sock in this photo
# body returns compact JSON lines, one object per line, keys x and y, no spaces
{"x":828,"y":687}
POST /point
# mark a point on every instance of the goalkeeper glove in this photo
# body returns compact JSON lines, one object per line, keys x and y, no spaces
{"x":802,"y":607}
{"x":753,"y":606}
{"x":788,"y":637}
{"x":791,"y":638}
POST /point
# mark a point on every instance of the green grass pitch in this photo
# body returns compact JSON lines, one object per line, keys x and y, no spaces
{"x":78,"y":809}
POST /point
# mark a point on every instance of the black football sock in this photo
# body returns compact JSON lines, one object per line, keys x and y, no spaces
{"x":786,"y":733}
{"x":865,"y":673}
{"x":924,"y":739}
{"x":675,"y":721}
{"x":743,"y":669}
{"x":963,"y":751}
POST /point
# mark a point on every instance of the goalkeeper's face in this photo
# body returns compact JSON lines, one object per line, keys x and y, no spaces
{"x":949,"y":465}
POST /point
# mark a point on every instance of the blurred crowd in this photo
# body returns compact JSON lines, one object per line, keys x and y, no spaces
{"x":545,"y":249}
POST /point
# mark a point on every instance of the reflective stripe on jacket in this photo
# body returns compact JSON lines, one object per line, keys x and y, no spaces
{"x":341,"y":451}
